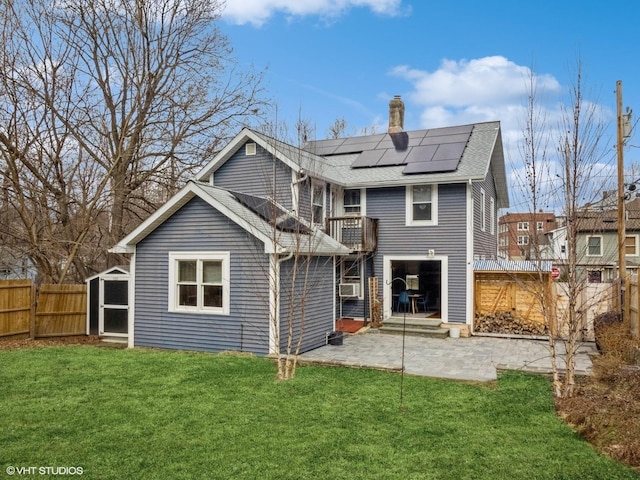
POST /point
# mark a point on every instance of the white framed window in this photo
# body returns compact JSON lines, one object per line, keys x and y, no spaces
{"x":492,"y":215}
{"x":523,"y":240}
{"x":483,"y":211}
{"x":422,"y":205}
{"x":523,"y":226}
{"x":352,"y":202}
{"x":317,"y":202}
{"x":631,"y":245}
{"x":250,"y":148}
{"x":199,"y":282}
{"x":540,"y":226}
{"x":351,"y":272}
{"x":594,"y":246}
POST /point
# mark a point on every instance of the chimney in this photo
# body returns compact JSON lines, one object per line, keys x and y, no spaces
{"x":396,"y":115}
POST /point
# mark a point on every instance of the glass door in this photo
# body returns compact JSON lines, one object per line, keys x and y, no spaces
{"x":114,"y":306}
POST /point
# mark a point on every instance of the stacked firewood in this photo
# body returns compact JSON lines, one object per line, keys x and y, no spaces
{"x":505,"y":322}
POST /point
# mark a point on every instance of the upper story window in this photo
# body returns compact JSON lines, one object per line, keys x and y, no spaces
{"x":492,"y":215}
{"x":540,"y":226}
{"x":523,"y":240}
{"x":523,"y":226}
{"x":422,"y":205}
{"x":352,"y":202}
{"x":199,"y":282}
{"x":483,"y":211}
{"x":631,"y":245}
{"x":594,"y":246}
{"x":317,"y":203}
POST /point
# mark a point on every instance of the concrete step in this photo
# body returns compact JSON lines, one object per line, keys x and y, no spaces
{"x":413,"y":321}
{"x":414,"y":332}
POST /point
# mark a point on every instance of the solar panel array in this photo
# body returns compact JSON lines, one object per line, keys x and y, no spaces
{"x":271,"y":213}
{"x":421,"y":151}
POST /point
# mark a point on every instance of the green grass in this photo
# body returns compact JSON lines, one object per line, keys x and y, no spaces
{"x":146,"y":414}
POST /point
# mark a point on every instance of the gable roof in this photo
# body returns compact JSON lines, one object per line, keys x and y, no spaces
{"x":294,"y":157}
{"x":475,"y":149}
{"x":287,"y":240}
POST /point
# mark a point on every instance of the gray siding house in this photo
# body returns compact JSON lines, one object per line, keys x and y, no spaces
{"x":411,"y":209}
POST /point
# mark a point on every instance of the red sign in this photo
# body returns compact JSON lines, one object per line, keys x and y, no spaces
{"x":555,"y":272}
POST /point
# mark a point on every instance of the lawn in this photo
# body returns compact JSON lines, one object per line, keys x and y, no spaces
{"x":147,"y":414}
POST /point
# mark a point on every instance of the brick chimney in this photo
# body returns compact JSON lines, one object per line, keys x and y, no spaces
{"x":396,"y":115}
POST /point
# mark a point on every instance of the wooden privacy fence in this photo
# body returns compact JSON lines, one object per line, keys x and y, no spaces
{"x":51,"y":311}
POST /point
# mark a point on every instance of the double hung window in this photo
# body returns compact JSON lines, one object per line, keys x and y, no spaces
{"x":199,"y":282}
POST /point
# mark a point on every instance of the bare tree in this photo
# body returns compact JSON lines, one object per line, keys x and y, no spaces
{"x":105,"y":107}
{"x":566,"y":181}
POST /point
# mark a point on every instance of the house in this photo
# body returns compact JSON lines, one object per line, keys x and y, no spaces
{"x":409,"y":209}
{"x":518,"y":233}
{"x":597,"y":241}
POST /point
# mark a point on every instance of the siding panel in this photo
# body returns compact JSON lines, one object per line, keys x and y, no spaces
{"x":318,"y":299}
{"x":254,"y":174}
{"x":199,"y":227}
{"x":447,"y":238}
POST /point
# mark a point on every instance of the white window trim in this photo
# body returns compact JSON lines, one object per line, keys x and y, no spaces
{"x":409,"y":221}
{"x":523,"y":226}
{"x":342,"y":274}
{"x":314,"y":185}
{"x":587,"y":246}
{"x":634,"y":254}
{"x":483,"y":210}
{"x":174,"y":257}
{"x":363,"y":202}
{"x":492,"y":215}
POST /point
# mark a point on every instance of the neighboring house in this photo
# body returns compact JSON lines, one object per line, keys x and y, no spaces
{"x":411,"y":209}
{"x":12,"y":268}
{"x":597,"y":242}
{"x":519,"y":233}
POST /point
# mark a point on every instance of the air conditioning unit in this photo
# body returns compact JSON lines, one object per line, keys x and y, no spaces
{"x":349,"y":289}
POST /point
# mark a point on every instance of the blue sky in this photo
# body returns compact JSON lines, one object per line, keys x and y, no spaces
{"x":453,"y":62}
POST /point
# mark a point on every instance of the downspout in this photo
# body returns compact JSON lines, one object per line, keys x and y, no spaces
{"x":295,"y":193}
{"x":470,"y":281}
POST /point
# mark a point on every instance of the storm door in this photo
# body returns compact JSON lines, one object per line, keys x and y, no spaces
{"x":114,"y":306}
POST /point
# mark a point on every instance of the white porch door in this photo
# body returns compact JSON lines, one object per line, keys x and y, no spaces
{"x":114,"y":306}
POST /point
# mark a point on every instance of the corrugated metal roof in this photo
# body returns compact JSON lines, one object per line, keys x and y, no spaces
{"x":512,"y":266}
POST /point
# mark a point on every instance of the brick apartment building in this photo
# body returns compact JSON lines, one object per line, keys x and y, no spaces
{"x":517,"y":232}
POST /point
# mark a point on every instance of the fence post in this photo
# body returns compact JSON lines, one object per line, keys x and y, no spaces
{"x":32,"y":313}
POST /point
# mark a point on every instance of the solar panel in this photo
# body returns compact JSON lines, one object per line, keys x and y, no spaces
{"x":427,"y":151}
{"x":369,"y":158}
{"x":434,"y":166}
{"x":422,"y":153}
{"x":270,"y":212}
{"x":449,"y":151}
{"x":392,"y":157}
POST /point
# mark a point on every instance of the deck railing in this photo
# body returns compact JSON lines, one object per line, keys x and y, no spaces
{"x":360,"y":234}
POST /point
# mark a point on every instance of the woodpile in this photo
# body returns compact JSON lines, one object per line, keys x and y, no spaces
{"x":506,"y":323}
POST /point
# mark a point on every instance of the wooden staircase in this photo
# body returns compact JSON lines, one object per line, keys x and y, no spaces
{"x":423,"y":327}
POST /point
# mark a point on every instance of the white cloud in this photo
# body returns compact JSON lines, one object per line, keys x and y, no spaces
{"x":466,"y":91}
{"x":257,"y":12}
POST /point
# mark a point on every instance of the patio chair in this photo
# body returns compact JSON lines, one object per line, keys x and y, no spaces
{"x":423,"y":301}
{"x":404,"y":303}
